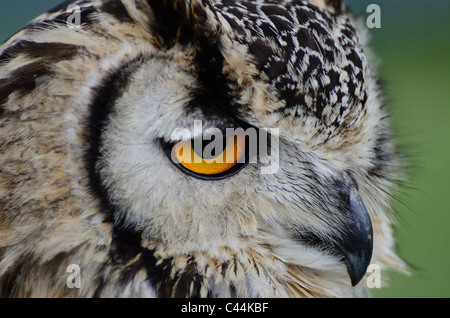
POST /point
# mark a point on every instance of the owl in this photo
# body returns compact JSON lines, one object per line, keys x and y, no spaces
{"x":194,"y":148}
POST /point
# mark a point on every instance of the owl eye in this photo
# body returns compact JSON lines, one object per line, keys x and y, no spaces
{"x":214,"y":159}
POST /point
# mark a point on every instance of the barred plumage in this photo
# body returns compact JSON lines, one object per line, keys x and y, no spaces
{"x":87,"y":115}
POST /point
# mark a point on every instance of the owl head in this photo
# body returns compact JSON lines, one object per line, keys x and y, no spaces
{"x":193,"y":148}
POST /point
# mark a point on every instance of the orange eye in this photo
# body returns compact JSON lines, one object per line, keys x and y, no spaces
{"x":215,"y":158}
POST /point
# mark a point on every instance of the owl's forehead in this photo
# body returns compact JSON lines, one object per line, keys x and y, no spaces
{"x":308,"y":54}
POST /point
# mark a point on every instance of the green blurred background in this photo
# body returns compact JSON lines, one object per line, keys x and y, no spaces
{"x":413,"y":45}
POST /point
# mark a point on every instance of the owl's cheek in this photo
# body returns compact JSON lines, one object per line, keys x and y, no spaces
{"x":148,"y":193}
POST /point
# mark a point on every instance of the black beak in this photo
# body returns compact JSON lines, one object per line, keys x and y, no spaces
{"x":352,"y":239}
{"x":356,"y":242}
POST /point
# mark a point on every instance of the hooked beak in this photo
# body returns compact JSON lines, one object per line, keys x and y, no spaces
{"x":356,"y":244}
{"x":353,"y":240}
